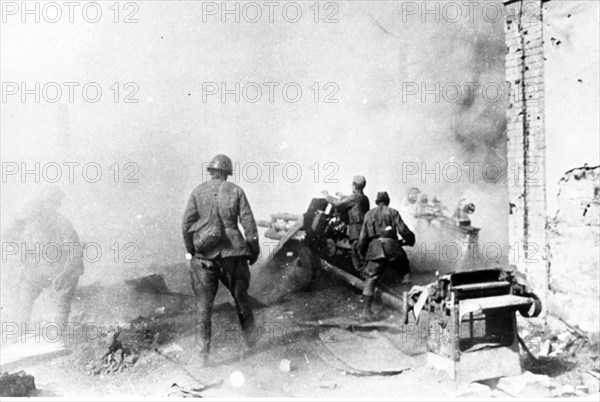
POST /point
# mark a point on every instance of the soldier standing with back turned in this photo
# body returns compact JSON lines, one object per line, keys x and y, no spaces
{"x":356,"y":205}
{"x":217,"y":249}
{"x":378,"y":243}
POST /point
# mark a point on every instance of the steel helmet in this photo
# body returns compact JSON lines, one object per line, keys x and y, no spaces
{"x":221,"y":162}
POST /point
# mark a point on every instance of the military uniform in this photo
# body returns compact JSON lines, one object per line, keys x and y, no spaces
{"x":54,"y":261}
{"x":228,"y":260}
{"x":356,"y":205}
{"x":379,"y":244}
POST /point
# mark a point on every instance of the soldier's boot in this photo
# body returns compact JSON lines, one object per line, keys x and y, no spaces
{"x":367,"y":312}
{"x":204,"y":339}
{"x":249,"y":333}
{"x":26,"y":328}
{"x":58,"y":329}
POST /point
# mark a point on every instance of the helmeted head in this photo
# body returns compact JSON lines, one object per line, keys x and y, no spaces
{"x":382,"y":198}
{"x":221,"y":163}
{"x":359,"y":182}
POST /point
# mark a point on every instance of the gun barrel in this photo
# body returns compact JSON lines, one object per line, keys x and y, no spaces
{"x":284,"y":216}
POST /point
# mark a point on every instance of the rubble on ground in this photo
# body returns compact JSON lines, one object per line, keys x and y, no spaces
{"x":18,"y":384}
{"x":526,"y":385}
{"x":179,"y":391}
{"x":567,"y":356}
{"x":472,"y":390}
{"x":326,"y":384}
{"x":116,"y":359}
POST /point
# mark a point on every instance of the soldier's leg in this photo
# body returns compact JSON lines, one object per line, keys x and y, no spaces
{"x":64,"y":291}
{"x":357,"y":262}
{"x":372,"y":272}
{"x":205,"y":283}
{"x":402,"y":266}
{"x":405,"y":269}
{"x":29,"y":289}
{"x":236,"y":276}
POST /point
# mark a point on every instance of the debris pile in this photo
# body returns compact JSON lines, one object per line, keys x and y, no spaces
{"x":565,"y":343}
{"x":116,"y":359}
{"x":179,"y":391}
{"x":16,"y":385}
{"x":526,"y":385}
{"x":557,"y":352}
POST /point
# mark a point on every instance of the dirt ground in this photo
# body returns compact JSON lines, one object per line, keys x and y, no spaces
{"x":162,"y":342}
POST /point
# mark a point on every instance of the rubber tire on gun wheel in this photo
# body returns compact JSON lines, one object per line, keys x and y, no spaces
{"x":534,"y":309}
{"x":309,"y":262}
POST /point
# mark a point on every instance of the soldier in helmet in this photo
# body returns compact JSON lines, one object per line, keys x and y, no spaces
{"x":378,"y":243}
{"x":56,"y":262}
{"x":356,"y":206}
{"x":217,"y":249}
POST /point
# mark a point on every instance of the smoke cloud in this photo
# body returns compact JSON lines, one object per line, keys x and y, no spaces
{"x":151,"y":153}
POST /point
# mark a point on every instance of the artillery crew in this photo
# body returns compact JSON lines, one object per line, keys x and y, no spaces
{"x":380,"y":247}
{"x":217,"y":249}
{"x":356,"y":206}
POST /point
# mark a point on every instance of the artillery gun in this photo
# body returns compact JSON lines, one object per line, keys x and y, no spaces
{"x":316,"y":240}
{"x":319,"y":233}
{"x":469,"y":317}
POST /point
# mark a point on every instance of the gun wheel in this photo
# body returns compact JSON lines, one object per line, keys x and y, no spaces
{"x":309,"y":262}
{"x":533,"y":310}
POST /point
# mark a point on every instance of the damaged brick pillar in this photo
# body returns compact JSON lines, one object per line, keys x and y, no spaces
{"x":526,"y":140}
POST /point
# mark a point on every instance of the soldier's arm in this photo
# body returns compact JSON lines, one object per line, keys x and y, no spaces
{"x":405,"y":232}
{"x":346,"y":202}
{"x":190,"y":216}
{"x":249,"y":224}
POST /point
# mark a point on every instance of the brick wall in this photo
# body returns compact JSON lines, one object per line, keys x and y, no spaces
{"x":526,"y":140}
{"x":552,"y":65}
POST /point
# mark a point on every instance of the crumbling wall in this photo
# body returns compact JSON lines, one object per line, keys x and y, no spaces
{"x":573,"y":238}
{"x":552,"y":65}
{"x":526,"y":140}
{"x":572,"y":117}
{"x":571,"y":76}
